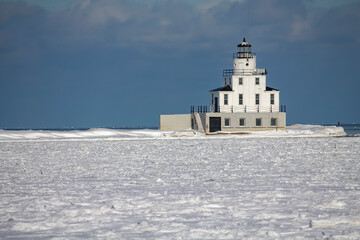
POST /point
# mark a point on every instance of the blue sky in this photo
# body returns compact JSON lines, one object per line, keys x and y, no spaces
{"x":117,"y":63}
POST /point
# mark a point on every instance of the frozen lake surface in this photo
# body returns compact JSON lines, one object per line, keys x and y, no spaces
{"x":162,"y":186}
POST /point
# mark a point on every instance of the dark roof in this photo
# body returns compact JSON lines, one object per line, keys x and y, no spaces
{"x":271,"y":89}
{"x":244,"y":44}
{"x":227,"y":88}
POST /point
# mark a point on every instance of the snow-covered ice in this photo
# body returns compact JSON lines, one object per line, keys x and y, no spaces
{"x":297,"y":130}
{"x":149,"y":184}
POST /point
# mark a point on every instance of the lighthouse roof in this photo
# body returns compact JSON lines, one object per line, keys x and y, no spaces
{"x":244,"y":44}
{"x":227,"y":88}
{"x":271,"y":89}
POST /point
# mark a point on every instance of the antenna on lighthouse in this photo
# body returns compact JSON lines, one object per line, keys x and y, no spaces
{"x":248,"y":21}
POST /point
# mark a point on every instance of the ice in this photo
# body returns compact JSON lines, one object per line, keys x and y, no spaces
{"x":297,"y":130}
{"x":150,"y":184}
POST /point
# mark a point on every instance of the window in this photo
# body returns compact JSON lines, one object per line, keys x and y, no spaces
{"x":257,"y":81}
{"x":257,"y":99}
{"x":227,"y":122}
{"x":240,"y":99}
{"x":212,"y":99}
{"x":273,"y":121}
{"x":272,"y":99}
{"x":242,"y":121}
{"x":225,"y":99}
{"x":240,"y":81}
{"x":258,"y":122}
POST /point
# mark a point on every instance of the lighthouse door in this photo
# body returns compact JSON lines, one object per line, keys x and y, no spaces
{"x":216,"y":105}
{"x":215,"y":124}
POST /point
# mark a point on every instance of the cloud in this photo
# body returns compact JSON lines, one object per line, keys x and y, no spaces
{"x":327,"y":25}
{"x":20,"y":24}
{"x":176,"y":25}
{"x":49,"y":5}
{"x":208,"y":4}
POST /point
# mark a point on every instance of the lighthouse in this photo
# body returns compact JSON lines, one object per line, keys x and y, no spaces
{"x":245,"y":102}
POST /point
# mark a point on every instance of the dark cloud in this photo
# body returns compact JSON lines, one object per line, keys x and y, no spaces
{"x":20,"y":26}
{"x":335,"y":25}
{"x":173,"y":24}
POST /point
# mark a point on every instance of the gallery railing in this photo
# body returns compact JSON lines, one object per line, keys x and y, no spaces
{"x":241,"y":54}
{"x":246,"y":109}
{"x":238,"y":109}
{"x":231,"y":72}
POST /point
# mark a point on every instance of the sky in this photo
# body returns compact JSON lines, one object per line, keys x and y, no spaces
{"x":122,"y":63}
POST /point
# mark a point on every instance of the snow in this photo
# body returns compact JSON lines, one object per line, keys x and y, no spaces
{"x":297,"y":130}
{"x":149,"y":184}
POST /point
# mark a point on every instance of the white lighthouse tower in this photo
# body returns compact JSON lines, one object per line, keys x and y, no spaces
{"x":243,"y":60}
{"x":243,"y":103}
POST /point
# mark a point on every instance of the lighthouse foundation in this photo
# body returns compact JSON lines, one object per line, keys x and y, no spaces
{"x":237,"y":122}
{"x":224,"y":122}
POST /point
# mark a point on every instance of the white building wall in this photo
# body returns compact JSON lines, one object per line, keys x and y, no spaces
{"x":267,"y":104}
{"x":239,"y":64}
{"x":223,"y":106}
{"x":249,"y":89}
